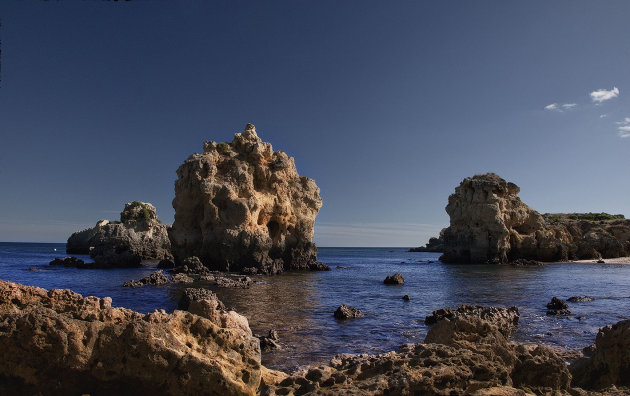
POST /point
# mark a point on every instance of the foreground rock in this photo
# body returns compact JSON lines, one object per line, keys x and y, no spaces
{"x":490,"y":224}
{"x":241,"y":206}
{"x":138,"y":236}
{"x":466,"y":354}
{"x":609,"y":363}
{"x":57,"y":342}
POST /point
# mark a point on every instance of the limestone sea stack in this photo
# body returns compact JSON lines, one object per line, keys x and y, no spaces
{"x":139,"y":235}
{"x":242,"y":206}
{"x":490,"y":223}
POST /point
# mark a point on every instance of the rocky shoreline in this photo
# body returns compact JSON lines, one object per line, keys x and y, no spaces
{"x":57,"y":342}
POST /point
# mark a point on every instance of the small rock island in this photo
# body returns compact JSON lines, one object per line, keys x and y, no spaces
{"x":242,"y":206}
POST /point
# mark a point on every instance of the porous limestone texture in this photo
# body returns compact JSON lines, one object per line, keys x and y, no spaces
{"x":242,"y":206}
{"x":490,"y":224}
{"x":138,"y":236}
{"x":57,"y":342}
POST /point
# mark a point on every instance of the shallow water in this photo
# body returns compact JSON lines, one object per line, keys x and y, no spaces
{"x":301,"y":305}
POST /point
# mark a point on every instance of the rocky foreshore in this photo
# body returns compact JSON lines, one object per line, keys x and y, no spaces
{"x":58,"y":342}
{"x":490,"y":224}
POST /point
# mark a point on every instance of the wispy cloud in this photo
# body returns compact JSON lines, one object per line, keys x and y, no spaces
{"x":603,"y":115}
{"x":624,"y":128}
{"x":602,"y":95}
{"x":560,"y":107}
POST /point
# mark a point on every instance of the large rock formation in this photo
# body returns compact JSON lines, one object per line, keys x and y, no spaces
{"x":57,"y":342}
{"x":489,"y":223}
{"x":138,"y":236}
{"x":242,"y":206}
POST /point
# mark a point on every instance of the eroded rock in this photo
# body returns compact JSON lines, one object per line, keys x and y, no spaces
{"x":396,"y":279}
{"x":138,"y":236}
{"x":347,"y":312}
{"x":67,"y":262}
{"x":490,"y":224}
{"x":557,"y":306}
{"x":57,"y":342}
{"x":242,"y":205}
{"x":156,"y":279}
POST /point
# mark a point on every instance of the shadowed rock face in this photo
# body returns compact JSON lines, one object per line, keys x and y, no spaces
{"x":138,"y":236}
{"x":489,"y":223}
{"x":241,"y":205}
{"x":57,"y":342}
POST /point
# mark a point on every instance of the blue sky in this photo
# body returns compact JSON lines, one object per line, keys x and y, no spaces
{"x":387,"y":105}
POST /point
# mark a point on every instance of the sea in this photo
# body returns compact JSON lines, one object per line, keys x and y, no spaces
{"x":300,"y":305}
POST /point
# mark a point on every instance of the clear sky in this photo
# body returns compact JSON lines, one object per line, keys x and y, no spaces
{"x":387,"y":105}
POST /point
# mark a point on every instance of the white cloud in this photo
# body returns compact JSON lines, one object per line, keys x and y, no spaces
{"x":602,"y":95}
{"x":624,"y":129}
{"x":560,"y":107}
{"x":603,"y":115}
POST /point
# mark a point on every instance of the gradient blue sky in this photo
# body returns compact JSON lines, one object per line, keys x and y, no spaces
{"x":387,"y":105}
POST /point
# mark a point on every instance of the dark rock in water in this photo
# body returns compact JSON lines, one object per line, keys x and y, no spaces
{"x":182,"y":278}
{"x":600,"y":261}
{"x":157,"y":278}
{"x":406,"y":297}
{"x":270,"y":341}
{"x":241,"y":204}
{"x":166,"y":264}
{"x":557,"y":303}
{"x":197,"y":294}
{"x":318,"y":266}
{"x":347,"y":312}
{"x":242,"y":282}
{"x":396,"y":279}
{"x":557,"y":307}
{"x":341,"y":267}
{"x":191,"y":265}
{"x":580,"y":299}
{"x":55,"y":342}
{"x":67,"y":262}
{"x":138,"y":236}
{"x":526,"y":263}
{"x":609,"y":361}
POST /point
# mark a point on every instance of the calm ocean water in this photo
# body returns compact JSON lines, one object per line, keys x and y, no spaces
{"x":300,"y":306}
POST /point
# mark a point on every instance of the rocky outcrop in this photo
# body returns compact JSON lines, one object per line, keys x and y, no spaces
{"x":57,"y":342}
{"x":435,"y":245}
{"x":67,"y":262}
{"x":609,"y":360}
{"x":557,"y":306}
{"x":467,"y":353}
{"x":396,"y":279}
{"x":156,"y":279}
{"x":138,"y":236}
{"x":241,"y":205}
{"x":490,"y":224}
{"x":347,"y":312}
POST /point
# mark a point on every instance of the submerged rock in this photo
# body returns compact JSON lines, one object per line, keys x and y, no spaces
{"x":138,"y":236}
{"x":156,"y":279}
{"x":241,"y":282}
{"x":347,"y":312}
{"x":580,"y":299}
{"x":241,"y":205}
{"x":490,"y":224}
{"x":68,"y":262}
{"x":396,"y":279}
{"x":57,"y":342}
{"x":557,"y":306}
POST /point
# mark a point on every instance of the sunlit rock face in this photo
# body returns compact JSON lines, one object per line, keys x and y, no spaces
{"x":243,"y":206}
{"x":490,"y":223}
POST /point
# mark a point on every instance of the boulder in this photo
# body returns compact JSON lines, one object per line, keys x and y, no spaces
{"x":166,"y":264}
{"x":241,"y":282}
{"x":197,"y":294}
{"x":269,"y":342}
{"x":57,"y":342}
{"x":347,"y":312}
{"x":156,"y":279}
{"x":396,"y":279}
{"x":138,"y":236}
{"x":557,"y":306}
{"x":490,"y":224}
{"x":242,"y":205}
{"x":609,"y":361}
{"x":580,"y":299}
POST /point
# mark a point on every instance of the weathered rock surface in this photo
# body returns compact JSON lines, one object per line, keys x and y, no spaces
{"x":197,"y":294}
{"x":347,"y":312}
{"x":609,"y":361}
{"x":490,"y":224}
{"x":475,"y":358}
{"x":156,"y":279}
{"x":580,"y":299}
{"x":242,"y":205}
{"x":57,"y":342}
{"x":138,"y":236}
{"x":396,"y":279}
{"x":269,"y":342}
{"x":557,"y":306}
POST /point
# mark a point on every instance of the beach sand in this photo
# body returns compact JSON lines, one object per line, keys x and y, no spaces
{"x":617,"y":260}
